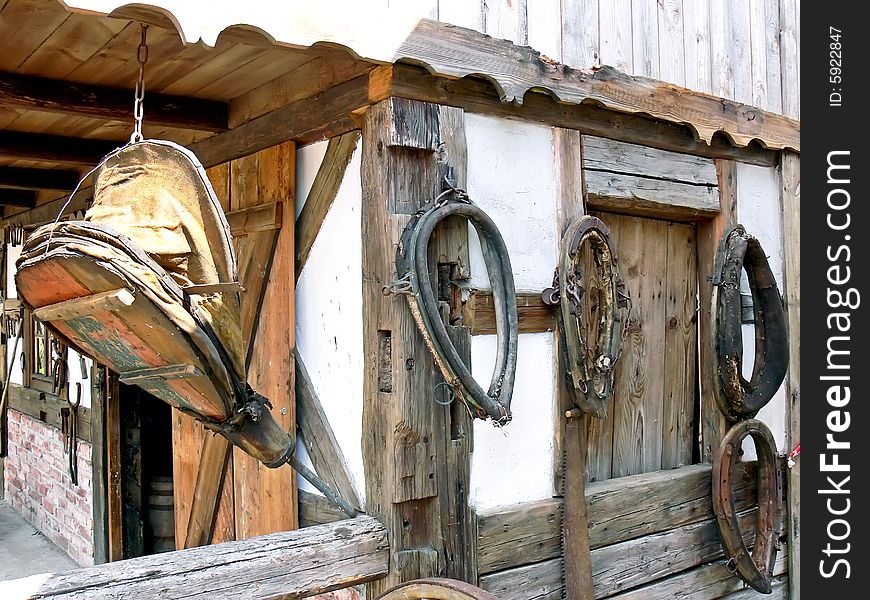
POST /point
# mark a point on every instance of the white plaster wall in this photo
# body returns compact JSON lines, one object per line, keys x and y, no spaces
{"x":758,"y":210}
{"x":329,"y":325}
{"x":510,"y":176}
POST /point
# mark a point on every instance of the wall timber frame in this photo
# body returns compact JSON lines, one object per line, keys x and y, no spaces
{"x":416,"y":450}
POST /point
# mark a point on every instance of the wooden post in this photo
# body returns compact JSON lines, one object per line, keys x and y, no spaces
{"x":713,"y":424}
{"x":790,"y":175}
{"x":113,"y":467}
{"x":568,"y":160}
{"x":415,"y":450}
{"x":98,"y":463}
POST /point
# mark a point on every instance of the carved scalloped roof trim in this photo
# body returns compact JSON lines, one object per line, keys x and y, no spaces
{"x":385,"y":37}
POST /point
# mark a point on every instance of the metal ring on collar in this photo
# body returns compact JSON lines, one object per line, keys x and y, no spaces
{"x":738,"y":398}
{"x":590,"y":375}
{"x":754,"y":568}
{"x":412,"y":263}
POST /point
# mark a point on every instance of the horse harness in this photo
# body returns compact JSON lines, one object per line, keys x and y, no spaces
{"x":412,"y":264}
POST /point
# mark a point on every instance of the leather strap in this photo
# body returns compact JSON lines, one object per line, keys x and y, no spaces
{"x":412,"y":264}
{"x":755,"y":568}
{"x":740,"y":399}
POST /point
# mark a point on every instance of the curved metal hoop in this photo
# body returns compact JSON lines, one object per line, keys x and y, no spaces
{"x":738,"y":398}
{"x":590,"y":373}
{"x":756,"y":568}
{"x":412,"y":264}
{"x":437,"y":589}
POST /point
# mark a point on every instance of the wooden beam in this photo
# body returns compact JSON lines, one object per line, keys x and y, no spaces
{"x":319,"y":438}
{"x":406,"y":440}
{"x":324,"y":115}
{"x":619,"y":510}
{"x":85,"y":305}
{"x":713,"y":423}
{"x":16,"y":197}
{"x":647,"y":197}
{"x":98,"y":462}
{"x":294,"y":564}
{"x":38,"y":179}
{"x":114,"y":502}
{"x":315,"y":509}
{"x":329,"y":176}
{"x":790,"y":177}
{"x":115,"y":104}
{"x":213,"y":461}
{"x":533,"y":316}
{"x":57,"y":149}
{"x":262,"y":217}
{"x":478,"y":96}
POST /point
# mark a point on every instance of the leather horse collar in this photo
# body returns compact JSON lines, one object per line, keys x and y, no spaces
{"x":589,"y":370}
{"x":756,"y":568}
{"x":739,"y":398}
{"x":412,"y":264}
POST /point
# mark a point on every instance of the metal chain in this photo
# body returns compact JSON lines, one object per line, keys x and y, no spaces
{"x":139,"y":97}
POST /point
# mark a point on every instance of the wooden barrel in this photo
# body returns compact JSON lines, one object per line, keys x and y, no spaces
{"x":161,"y":514}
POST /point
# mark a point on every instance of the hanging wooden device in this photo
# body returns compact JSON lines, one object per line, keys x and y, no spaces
{"x":589,"y":372}
{"x":146,"y":284}
{"x":755,"y":568}
{"x":739,"y":398}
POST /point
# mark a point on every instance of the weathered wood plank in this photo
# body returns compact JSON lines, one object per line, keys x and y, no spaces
{"x":713,"y":424}
{"x":681,"y":347}
{"x":213,"y":462}
{"x":568,"y":160}
{"x":789,"y":27}
{"x":478,"y":96}
{"x":319,"y":438}
{"x":790,"y":177}
{"x":604,"y":154}
{"x":619,"y":510}
{"x":648,"y":197}
{"x":329,"y":176}
{"x":614,"y":20}
{"x":85,"y":305}
{"x":188,"y":440}
{"x":38,"y":93}
{"x":294,"y":564}
{"x":98,"y":463}
{"x":672,"y":63}
{"x":641,"y":245}
{"x":266,"y":498}
{"x":323,"y":115}
{"x":696,"y":29}
{"x":580,"y":34}
{"x":533,"y":315}
{"x":706,"y":582}
{"x":645,"y":38}
{"x":47,"y":408}
{"x":773,"y":56}
{"x":262,"y":217}
{"x":113,"y":467}
{"x":315,"y":509}
{"x":779,"y":591}
{"x":739,"y":51}
{"x":403,"y":442}
{"x":622,"y":566}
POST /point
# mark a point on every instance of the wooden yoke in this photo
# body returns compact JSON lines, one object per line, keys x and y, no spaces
{"x":416,"y":450}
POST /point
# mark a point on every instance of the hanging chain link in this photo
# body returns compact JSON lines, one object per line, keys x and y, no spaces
{"x":138,"y":102}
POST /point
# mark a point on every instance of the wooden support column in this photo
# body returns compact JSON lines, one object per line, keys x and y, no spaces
{"x":415,"y":450}
{"x":568,"y":159}
{"x":113,"y":467}
{"x":713,"y":423}
{"x":790,"y":175}
{"x":98,"y":463}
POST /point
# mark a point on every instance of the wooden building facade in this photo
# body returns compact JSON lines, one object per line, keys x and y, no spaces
{"x":322,"y":139}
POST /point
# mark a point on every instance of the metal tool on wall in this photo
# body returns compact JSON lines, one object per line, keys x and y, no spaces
{"x":589,"y":376}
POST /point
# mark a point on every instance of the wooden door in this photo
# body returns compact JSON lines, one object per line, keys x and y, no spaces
{"x":651,"y":417}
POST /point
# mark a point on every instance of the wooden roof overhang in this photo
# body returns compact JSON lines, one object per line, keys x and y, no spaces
{"x":67,"y":72}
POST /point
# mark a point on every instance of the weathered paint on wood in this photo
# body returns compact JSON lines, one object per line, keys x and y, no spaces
{"x":790,"y":177}
{"x":284,"y":565}
{"x":619,"y":510}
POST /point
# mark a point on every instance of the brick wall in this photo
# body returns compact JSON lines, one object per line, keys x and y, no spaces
{"x":38,"y":486}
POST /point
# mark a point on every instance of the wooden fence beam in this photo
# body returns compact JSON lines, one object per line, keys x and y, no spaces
{"x":293,"y":564}
{"x":101,"y":102}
